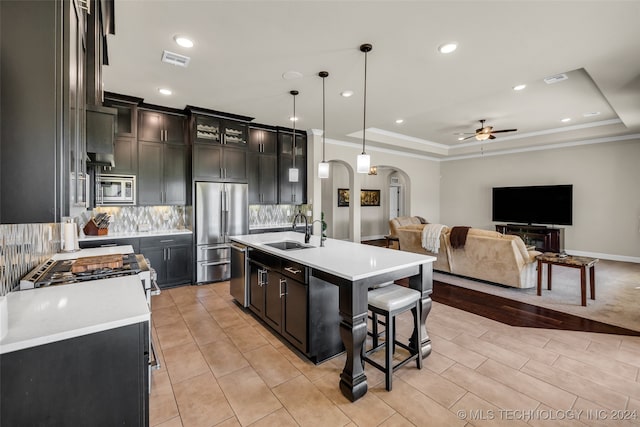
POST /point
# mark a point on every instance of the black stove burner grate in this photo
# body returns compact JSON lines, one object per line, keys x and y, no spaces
{"x":60,"y":272}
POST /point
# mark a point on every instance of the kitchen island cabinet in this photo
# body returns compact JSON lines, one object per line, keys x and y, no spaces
{"x":352,"y":268}
{"x":80,"y":359}
{"x":302,"y":309}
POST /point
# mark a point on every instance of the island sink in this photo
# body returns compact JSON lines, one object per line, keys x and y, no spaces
{"x":287,"y":245}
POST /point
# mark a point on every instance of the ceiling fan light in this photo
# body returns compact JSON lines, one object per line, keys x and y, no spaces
{"x":363,"y":163}
{"x":483,"y":136}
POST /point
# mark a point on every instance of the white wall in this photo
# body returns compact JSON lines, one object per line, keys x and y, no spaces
{"x":606,"y":192}
{"x":423,"y":190}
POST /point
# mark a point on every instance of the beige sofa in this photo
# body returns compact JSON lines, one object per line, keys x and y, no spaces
{"x":486,"y":255}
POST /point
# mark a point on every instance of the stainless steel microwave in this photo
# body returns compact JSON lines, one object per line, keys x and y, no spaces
{"x":115,"y":190}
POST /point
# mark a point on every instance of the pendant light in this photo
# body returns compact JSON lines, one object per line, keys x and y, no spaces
{"x":364,"y":161}
{"x":293,"y":170}
{"x":323,"y":166}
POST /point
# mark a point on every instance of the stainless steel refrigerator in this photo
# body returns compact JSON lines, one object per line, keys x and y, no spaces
{"x":221,"y":210}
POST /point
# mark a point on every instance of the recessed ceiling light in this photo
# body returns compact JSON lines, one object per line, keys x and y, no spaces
{"x":448,"y":47}
{"x":346,"y":93}
{"x":519,"y":87}
{"x":165,"y":91}
{"x":293,"y":119}
{"x":183,"y":41}
{"x":291,"y":75}
{"x":566,"y":119}
{"x":591,"y":114}
{"x":399,"y":121}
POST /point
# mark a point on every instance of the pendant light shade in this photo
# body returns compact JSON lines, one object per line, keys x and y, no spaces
{"x":323,"y":166}
{"x":323,"y":170}
{"x":293,"y":170}
{"x":364,"y":161}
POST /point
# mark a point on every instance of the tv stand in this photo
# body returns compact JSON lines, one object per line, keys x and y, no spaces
{"x":545,"y":239}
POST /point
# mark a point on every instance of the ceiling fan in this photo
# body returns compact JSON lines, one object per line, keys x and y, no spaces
{"x":486,"y":132}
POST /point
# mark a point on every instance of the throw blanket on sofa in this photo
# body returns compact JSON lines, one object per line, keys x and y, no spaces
{"x":431,"y":237}
{"x":458,"y":236}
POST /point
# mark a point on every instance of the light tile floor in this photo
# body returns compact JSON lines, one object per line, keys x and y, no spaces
{"x":223,"y":367}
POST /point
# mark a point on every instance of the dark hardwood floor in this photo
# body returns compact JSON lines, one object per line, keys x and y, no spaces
{"x":512,"y":312}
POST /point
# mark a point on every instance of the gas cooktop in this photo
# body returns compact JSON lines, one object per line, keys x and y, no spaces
{"x":52,"y":272}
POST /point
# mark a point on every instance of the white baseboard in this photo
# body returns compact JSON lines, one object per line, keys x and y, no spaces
{"x":611,"y":257}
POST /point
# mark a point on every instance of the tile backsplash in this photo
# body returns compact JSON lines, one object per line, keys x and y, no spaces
{"x":127,"y":219}
{"x":22,"y":248}
{"x":274,"y":215}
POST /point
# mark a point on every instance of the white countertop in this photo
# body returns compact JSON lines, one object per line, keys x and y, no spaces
{"x":351,"y":261}
{"x":44,"y":315}
{"x":135,"y":234}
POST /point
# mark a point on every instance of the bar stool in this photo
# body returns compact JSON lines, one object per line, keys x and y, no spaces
{"x":389,"y":301}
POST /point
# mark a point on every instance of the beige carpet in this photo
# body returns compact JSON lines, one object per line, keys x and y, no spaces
{"x":617,"y":299}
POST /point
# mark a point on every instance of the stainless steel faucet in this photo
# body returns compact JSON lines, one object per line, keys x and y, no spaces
{"x":307,"y":231}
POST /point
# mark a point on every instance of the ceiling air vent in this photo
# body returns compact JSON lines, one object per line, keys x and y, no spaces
{"x":555,"y":79}
{"x":175,"y":59}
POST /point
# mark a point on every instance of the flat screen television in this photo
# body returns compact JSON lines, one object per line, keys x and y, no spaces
{"x":538,"y":204}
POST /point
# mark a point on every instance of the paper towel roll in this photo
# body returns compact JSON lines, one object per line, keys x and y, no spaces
{"x":69,"y":236}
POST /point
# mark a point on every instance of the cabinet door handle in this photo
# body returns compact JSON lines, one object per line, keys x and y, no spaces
{"x":169,"y":254}
{"x":220,"y":172}
{"x":166,"y":241}
{"x":292,"y":270}
{"x":283,"y":281}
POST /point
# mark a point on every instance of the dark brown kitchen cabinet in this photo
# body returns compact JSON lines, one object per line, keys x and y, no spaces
{"x":301,"y":308}
{"x":99,"y":24}
{"x":127,"y":116}
{"x":54,"y":125}
{"x":98,"y":379}
{"x":162,"y":173}
{"x":220,"y":163}
{"x":263,"y":166}
{"x":161,"y":127}
{"x":292,"y":154}
{"x":171,"y":257}
{"x":125,"y":156}
{"x":44,"y":90}
{"x":217,"y":130}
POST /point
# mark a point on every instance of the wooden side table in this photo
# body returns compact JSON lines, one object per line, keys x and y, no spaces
{"x":583,"y":263}
{"x":391,"y":238}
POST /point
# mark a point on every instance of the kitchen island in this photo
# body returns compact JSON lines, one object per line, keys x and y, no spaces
{"x":354,"y":268}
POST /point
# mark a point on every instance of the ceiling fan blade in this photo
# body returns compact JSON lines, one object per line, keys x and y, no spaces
{"x":492,"y":137}
{"x":504,"y":130}
{"x":469,"y":137}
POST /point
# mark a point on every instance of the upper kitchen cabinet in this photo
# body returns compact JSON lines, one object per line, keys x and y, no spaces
{"x":292,"y":154}
{"x":127,"y":117}
{"x":162,"y":174}
{"x":161,"y":127}
{"x":263,"y":166}
{"x":163,"y":157}
{"x":43,"y":68}
{"x":219,"y":145}
{"x":211,"y":129}
{"x":100,"y":22}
